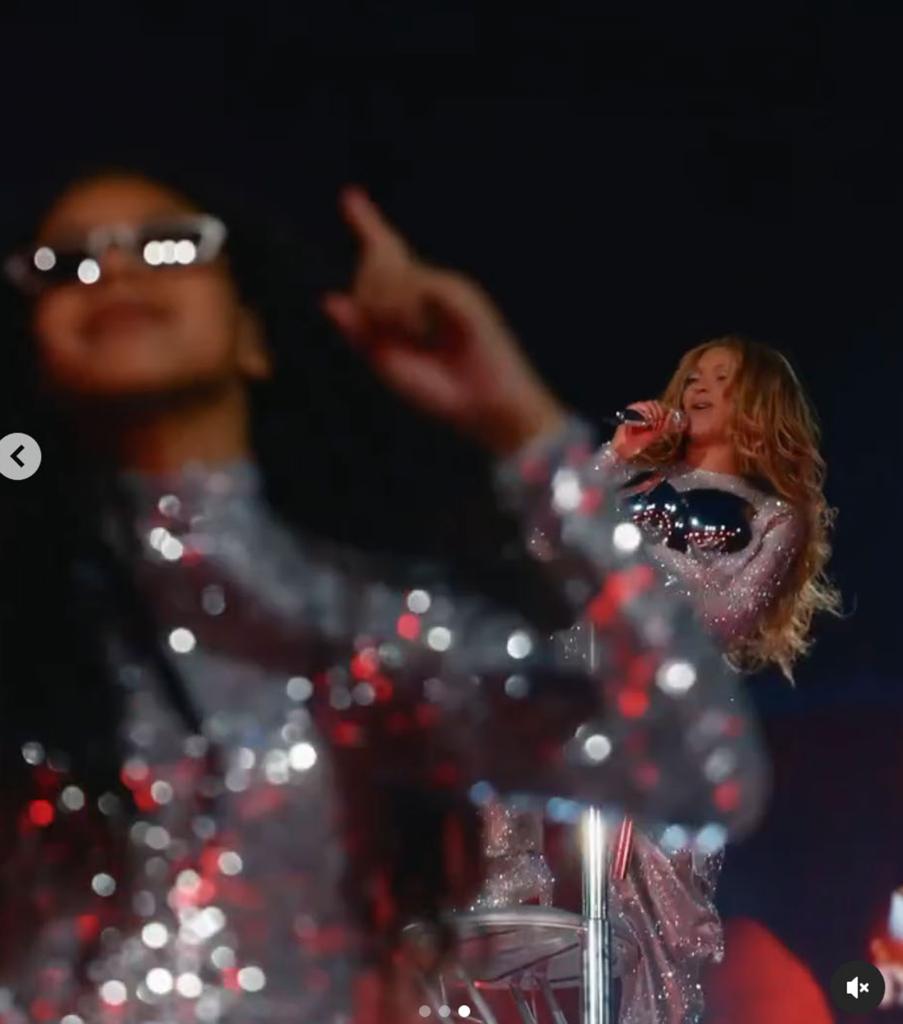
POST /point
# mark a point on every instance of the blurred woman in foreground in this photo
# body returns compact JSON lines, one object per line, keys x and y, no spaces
{"x":203,"y":705}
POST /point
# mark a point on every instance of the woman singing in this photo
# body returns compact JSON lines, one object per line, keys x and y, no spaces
{"x":202,"y":701}
{"x":729,"y":496}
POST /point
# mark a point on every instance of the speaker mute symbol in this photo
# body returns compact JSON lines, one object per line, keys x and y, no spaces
{"x":857,"y":987}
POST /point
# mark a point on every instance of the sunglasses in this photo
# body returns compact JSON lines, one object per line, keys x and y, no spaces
{"x":159,"y":244}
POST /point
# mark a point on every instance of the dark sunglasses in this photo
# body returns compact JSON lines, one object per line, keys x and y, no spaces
{"x":173,"y":242}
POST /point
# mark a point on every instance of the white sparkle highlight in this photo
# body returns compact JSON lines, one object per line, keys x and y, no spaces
{"x":32,"y":753}
{"x":302,"y":756}
{"x":519,"y":644}
{"x":113,"y":993}
{"x":189,"y":986}
{"x":161,"y":791}
{"x":171,"y":548}
{"x":223,"y":957}
{"x":45,"y":258}
{"x":156,"y":837}
{"x":627,"y":538}
{"x":72,"y":798}
{"x":103,"y":884}
{"x":152,"y":253}
{"x":567,"y":491}
{"x":88,"y":271}
{"x":276,"y":767}
{"x":298,"y":688}
{"x":675,"y":677}
{"x":597,"y":747}
{"x":230,"y":863}
{"x":159,"y":981}
{"x":182,"y":640}
{"x":154,"y":935}
{"x":185,"y":251}
{"x":251,"y":979}
{"x":419,"y":601}
{"x":711,"y":838}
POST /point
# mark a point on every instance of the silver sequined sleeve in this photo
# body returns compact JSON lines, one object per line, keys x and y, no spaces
{"x":730,"y":592}
{"x":682,"y":745}
{"x":307,"y":675}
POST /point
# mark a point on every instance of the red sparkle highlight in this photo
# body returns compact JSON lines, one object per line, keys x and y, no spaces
{"x":382,"y":901}
{"x":734,"y":726}
{"x":348,"y":734}
{"x":590,"y":501}
{"x":41,"y":813}
{"x":87,"y":927}
{"x":641,"y":670}
{"x":143,"y":797}
{"x":383,"y":687}
{"x":408,"y":626}
{"x":210,"y":860}
{"x":648,"y":775}
{"x":326,"y":940}
{"x":633,"y":703}
{"x":620,"y":587}
{"x":191,"y":556}
{"x":364,"y":664}
{"x":427,"y":715}
{"x":133,"y":775}
{"x":43,"y":1009}
{"x":727,"y":796}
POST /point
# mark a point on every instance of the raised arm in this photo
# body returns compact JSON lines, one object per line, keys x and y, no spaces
{"x":668,"y":736}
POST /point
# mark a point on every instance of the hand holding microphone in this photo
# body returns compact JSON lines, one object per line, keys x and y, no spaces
{"x":643,"y":423}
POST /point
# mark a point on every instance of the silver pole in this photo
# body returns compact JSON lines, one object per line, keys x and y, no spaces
{"x":596,"y":1008}
{"x":596,"y":991}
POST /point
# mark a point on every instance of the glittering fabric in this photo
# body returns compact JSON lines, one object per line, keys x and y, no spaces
{"x":730,"y":589}
{"x":516,"y":869}
{"x":726,"y":546}
{"x":220,"y":898}
{"x":731,"y":565}
{"x":664,"y":910}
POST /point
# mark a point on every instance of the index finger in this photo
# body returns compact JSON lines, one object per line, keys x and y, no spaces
{"x":366,"y":219}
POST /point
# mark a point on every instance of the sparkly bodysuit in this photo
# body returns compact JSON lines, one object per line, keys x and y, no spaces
{"x":726,"y":546}
{"x":221,"y":898}
{"x":666,"y":900}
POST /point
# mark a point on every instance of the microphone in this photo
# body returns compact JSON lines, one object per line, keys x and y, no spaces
{"x":677,"y":418}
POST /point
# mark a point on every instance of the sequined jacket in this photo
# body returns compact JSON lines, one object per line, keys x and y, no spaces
{"x":307,"y":674}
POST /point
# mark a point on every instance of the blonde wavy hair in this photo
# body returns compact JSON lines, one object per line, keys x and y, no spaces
{"x":776,"y":437}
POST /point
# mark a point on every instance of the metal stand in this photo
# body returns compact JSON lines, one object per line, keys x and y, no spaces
{"x":530,"y":953}
{"x":596,"y":1002}
{"x":596,"y":992}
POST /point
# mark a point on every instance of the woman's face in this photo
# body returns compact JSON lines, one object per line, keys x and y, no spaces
{"x":138,"y":331}
{"x":708,"y":395}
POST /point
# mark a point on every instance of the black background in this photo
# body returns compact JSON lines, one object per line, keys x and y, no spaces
{"x":627,"y":179}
